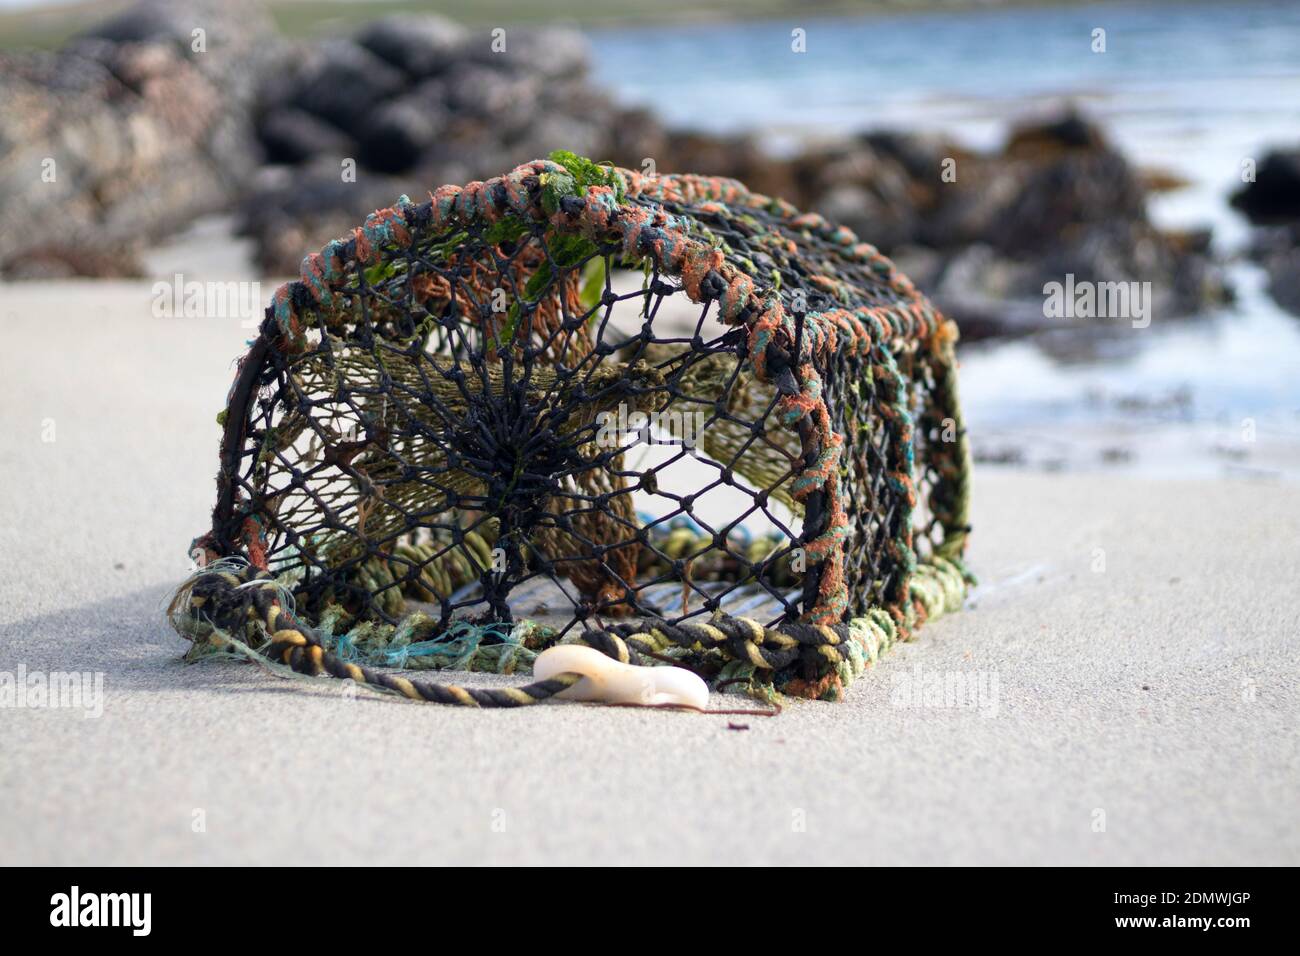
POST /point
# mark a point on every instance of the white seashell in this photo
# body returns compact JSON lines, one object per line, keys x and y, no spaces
{"x":605,"y":679}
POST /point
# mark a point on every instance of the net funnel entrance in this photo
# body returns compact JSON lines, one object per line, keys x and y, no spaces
{"x":606,"y":404}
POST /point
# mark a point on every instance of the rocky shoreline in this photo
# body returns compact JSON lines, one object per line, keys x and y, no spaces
{"x":301,"y":139}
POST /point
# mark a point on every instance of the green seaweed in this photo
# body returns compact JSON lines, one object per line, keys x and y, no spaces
{"x":580,"y":175}
{"x":566,"y":251}
{"x":593,"y":283}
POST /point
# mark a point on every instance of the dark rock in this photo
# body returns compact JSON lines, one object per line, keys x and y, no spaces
{"x":1274,"y":196}
{"x":399,"y":133}
{"x":1069,"y":131}
{"x":506,"y":99}
{"x":868,"y":214}
{"x":426,"y":103}
{"x":1068,"y":195}
{"x":1057,"y":200}
{"x":280,"y":193}
{"x":1284,"y":279}
{"x":419,"y":44}
{"x":1277,"y":250}
{"x":984,"y":292}
{"x":343,"y":82}
{"x":293,"y":211}
{"x":1272,"y":204}
{"x":920,"y":155}
{"x":293,"y":136}
{"x":885,"y":186}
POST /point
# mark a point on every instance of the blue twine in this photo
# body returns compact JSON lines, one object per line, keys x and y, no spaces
{"x":458,"y":643}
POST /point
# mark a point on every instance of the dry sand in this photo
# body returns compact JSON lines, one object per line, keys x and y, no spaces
{"x":1144,"y":714}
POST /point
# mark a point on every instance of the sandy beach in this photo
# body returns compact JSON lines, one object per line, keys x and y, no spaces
{"x":1136,"y":644}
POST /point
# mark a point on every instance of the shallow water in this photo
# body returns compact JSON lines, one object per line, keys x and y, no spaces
{"x":1192,"y":88}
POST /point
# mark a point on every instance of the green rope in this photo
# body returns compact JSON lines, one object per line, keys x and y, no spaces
{"x":231,"y":610}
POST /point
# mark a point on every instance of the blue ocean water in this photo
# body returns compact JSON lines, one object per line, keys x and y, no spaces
{"x":859,"y":71}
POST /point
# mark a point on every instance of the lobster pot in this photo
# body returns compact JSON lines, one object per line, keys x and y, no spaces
{"x":578,"y":394}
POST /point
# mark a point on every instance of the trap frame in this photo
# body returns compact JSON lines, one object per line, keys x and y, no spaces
{"x":463,"y":435}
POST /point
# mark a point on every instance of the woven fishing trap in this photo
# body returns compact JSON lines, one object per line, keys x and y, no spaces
{"x":661,"y":416}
